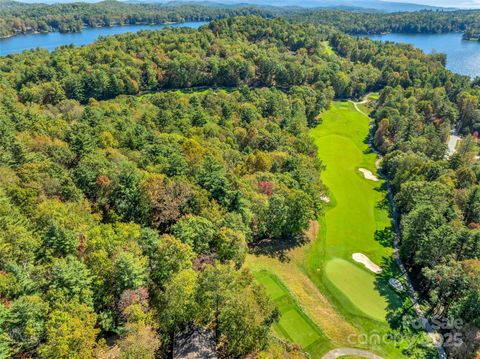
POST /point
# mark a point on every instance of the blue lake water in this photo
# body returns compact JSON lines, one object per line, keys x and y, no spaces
{"x":463,"y":57}
{"x":52,"y":40}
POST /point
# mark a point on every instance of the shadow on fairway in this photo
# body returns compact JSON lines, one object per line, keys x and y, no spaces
{"x":385,"y":236}
{"x":277,"y":248}
{"x":395,"y":300}
{"x":366,"y":141}
{"x":385,"y":202}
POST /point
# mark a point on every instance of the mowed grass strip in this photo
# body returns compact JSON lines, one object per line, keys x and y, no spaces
{"x":294,"y":325}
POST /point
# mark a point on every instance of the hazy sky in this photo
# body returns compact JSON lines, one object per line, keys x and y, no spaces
{"x":452,"y":3}
{"x":445,"y":3}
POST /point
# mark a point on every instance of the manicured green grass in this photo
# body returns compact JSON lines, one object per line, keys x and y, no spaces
{"x":358,"y":211}
{"x":293,"y":325}
{"x":356,"y":285}
{"x":272,"y":285}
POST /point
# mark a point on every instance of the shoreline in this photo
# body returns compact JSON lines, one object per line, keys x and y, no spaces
{"x":28,"y":42}
{"x":84,"y":26}
{"x":383,"y":33}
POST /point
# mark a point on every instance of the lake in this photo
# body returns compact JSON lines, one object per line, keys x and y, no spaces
{"x":52,"y":40}
{"x":463,"y":57}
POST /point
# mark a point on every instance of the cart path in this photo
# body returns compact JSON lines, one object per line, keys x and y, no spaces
{"x":355,"y":104}
{"x":340,"y":352}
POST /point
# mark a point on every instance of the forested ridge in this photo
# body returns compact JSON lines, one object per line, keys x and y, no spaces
{"x":417,"y":22}
{"x":136,"y":171}
{"x":22,"y":18}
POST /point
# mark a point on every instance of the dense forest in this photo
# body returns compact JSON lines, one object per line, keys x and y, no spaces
{"x":21,"y":18}
{"x":113,"y":211}
{"x":137,"y":171}
{"x":362,"y":22}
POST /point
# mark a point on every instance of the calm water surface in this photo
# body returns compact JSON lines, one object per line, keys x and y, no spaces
{"x":463,"y":57}
{"x":52,"y":40}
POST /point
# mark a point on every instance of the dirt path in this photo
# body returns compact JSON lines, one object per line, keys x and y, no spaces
{"x":340,"y":352}
{"x":432,"y":333}
{"x":452,"y":143}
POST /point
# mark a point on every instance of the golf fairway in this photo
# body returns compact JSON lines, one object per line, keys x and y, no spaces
{"x":355,"y":213}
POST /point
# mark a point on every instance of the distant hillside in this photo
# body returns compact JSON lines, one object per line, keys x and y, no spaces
{"x":335,"y":4}
{"x":368,"y":22}
{"x":345,"y":4}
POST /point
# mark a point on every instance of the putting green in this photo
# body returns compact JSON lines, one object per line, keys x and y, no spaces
{"x":293,"y":325}
{"x":357,"y":284}
{"x":355,"y":213}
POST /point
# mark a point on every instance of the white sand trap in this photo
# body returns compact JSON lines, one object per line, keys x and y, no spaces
{"x":325,"y":198}
{"x":362,"y":258}
{"x":368,"y":174}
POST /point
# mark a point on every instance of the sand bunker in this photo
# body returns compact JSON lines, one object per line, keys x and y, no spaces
{"x":362,"y":258}
{"x":325,"y":198}
{"x":368,"y":174}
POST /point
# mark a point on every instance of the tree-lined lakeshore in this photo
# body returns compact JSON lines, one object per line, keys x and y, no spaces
{"x":23,"y":18}
{"x":20,"y":18}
